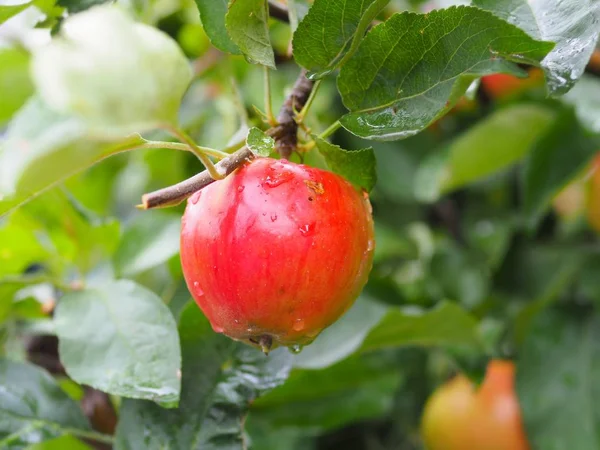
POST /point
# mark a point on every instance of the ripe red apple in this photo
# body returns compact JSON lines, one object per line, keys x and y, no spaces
{"x":461,"y":417}
{"x":501,"y":85}
{"x":277,"y":251}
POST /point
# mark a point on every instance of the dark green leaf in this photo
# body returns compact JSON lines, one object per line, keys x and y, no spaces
{"x":212,"y":15}
{"x":446,"y":324}
{"x":220,"y":379}
{"x":110,"y":78}
{"x":75,"y":6}
{"x":560,"y":154}
{"x":342,"y":338}
{"x":571,"y":24}
{"x":414,"y":67}
{"x":331,"y":32}
{"x":259,"y":143}
{"x":247,"y":22}
{"x":125,"y":341}
{"x":32,"y":406}
{"x":150,"y":240}
{"x":357,"y":166}
{"x":15,"y":84}
{"x":8,"y":11}
{"x":558,"y":365}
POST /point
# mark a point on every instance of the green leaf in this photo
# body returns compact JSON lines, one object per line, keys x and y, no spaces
{"x":342,"y":338}
{"x":331,"y":32}
{"x":75,"y":6}
{"x":125,"y":342}
{"x":357,"y":166}
{"x":247,"y":22}
{"x":494,"y":143}
{"x":65,"y":442}
{"x":259,"y":143}
{"x":446,"y":324}
{"x":110,"y":77}
{"x":357,"y":388}
{"x":220,"y":379}
{"x":212,"y":15}
{"x":152,"y":239}
{"x":57,"y":146}
{"x":33,"y":408}
{"x":585,"y":98}
{"x":556,"y":158}
{"x":8,"y":11}
{"x":15,"y":84}
{"x":571,"y":24}
{"x":414,"y":67}
{"x":557,"y":368}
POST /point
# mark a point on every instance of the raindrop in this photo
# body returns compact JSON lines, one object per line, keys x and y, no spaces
{"x":296,"y":348}
{"x":307,"y":229}
{"x":217,"y":329}
{"x":370,"y":245}
{"x":277,"y":180}
{"x":298,"y":325}
{"x":195,"y":197}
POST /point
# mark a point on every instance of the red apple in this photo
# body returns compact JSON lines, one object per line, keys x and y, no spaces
{"x":501,"y":85}
{"x":461,"y":417}
{"x":277,"y":251}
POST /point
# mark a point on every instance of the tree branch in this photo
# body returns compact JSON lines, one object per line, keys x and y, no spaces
{"x":278,"y":11}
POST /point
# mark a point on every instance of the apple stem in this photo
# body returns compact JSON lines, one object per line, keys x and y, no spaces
{"x":265,"y":342}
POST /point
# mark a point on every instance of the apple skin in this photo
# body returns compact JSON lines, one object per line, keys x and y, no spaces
{"x":460,"y":417}
{"x":277,"y":251}
{"x":503,"y":86}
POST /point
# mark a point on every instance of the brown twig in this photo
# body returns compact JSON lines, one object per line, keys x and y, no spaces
{"x":286,"y":132}
{"x":278,"y":11}
{"x":285,"y":135}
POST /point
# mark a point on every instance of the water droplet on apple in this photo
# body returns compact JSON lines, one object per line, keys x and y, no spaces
{"x":296,"y":348}
{"x":298,"y":325}
{"x":217,"y":329}
{"x":241,"y":188}
{"x":272,"y":181}
{"x":370,"y":245}
{"x":195,"y":197}
{"x":307,"y":229}
{"x":273,"y":217}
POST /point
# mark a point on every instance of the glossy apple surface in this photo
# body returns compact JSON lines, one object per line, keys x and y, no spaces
{"x":277,"y":251}
{"x":460,"y":417}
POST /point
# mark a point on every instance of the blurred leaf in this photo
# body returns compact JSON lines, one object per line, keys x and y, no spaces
{"x":32,"y":406}
{"x":342,"y":338}
{"x":109,"y":77}
{"x":259,"y":143}
{"x":42,"y":148}
{"x":585,"y":98}
{"x":75,"y":6}
{"x":62,"y":443}
{"x":332,"y":31}
{"x":220,"y":379}
{"x":19,"y":247}
{"x":410,"y":70}
{"x":212,"y":15}
{"x":558,"y":363}
{"x":560,"y":154}
{"x":8,"y":11}
{"x":494,"y":143}
{"x":247,"y":22}
{"x":124,"y":343}
{"x":446,"y":324}
{"x":150,"y":240}
{"x":571,"y":24}
{"x":329,"y":397}
{"x":15,"y":85}
{"x":357,"y":166}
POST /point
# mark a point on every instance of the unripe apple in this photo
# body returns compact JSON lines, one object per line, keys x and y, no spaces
{"x":460,"y":416}
{"x":277,"y":251}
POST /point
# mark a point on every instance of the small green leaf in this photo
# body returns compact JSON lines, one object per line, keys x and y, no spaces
{"x":259,"y":143}
{"x":446,"y":324}
{"x":212,"y":15}
{"x":125,"y":342}
{"x":357,"y":166}
{"x":557,"y":368}
{"x":412,"y":68}
{"x":220,"y":379}
{"x":8,"y":11}
{"x":561,"y":153}
{"x":494,"y":143}
{"x":62,"y":443}
{"x":110,"y":78}
{"x":247,"y":22}
{"x":331,"y":32}
{"x":15,"y":84}
{"x":150,"y":240}
{"x":33,"y":408}
{"x":571,"y":24}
